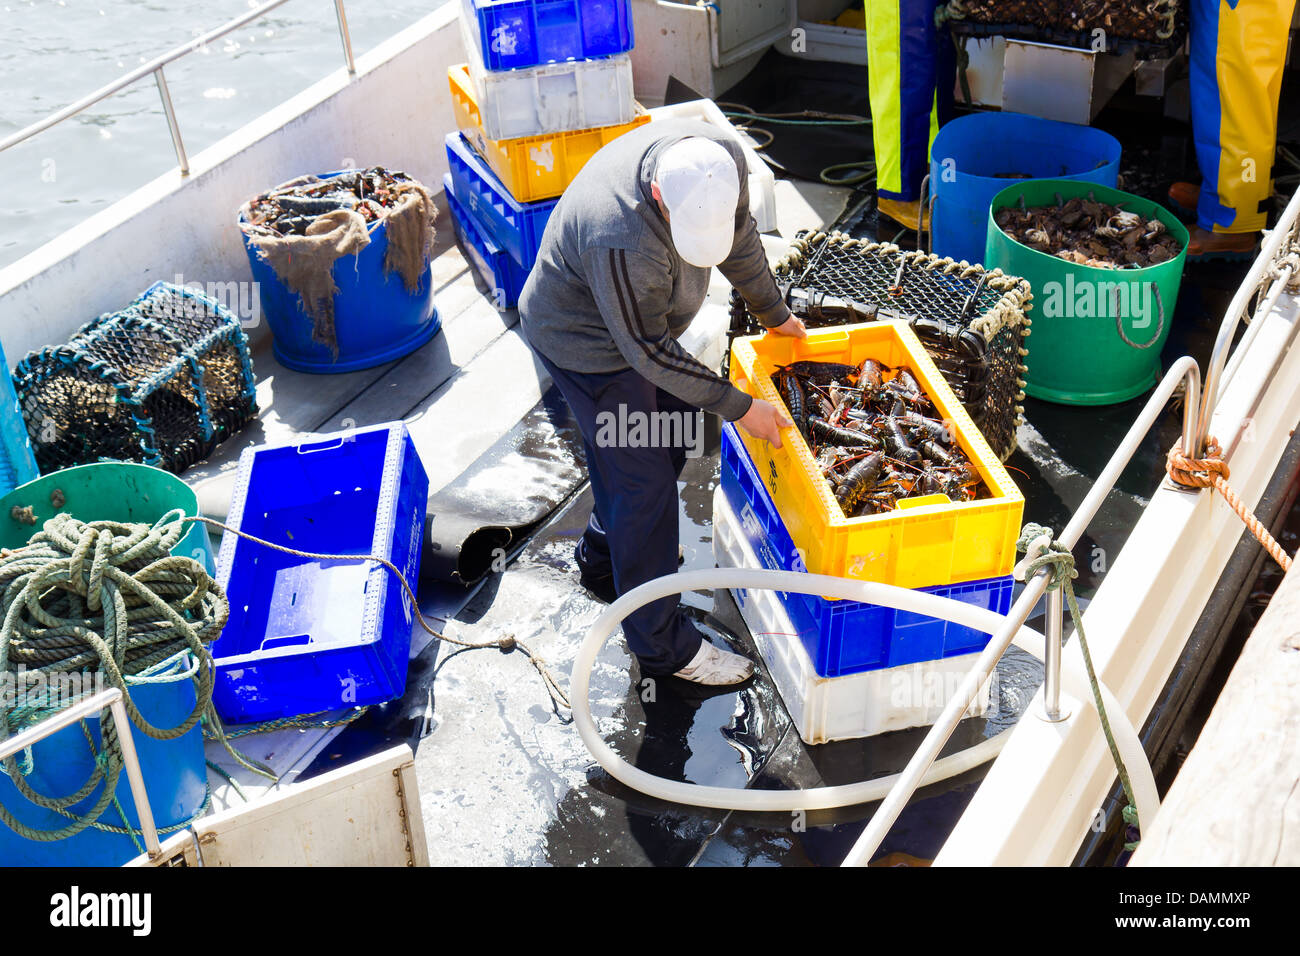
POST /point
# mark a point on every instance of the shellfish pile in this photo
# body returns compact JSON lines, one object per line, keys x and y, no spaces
{"x":875,"y":435}
{"x":290,"y":209}
{"x":1090,"y":233}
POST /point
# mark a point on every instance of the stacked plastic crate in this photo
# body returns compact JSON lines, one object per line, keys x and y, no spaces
{"x":847,"y":668}
{"x":547,"y":84}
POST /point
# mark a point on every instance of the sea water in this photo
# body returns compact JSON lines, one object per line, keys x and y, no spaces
{"x":53,"y":52}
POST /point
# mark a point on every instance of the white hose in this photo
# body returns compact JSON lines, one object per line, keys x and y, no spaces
{"x":821,"y":798}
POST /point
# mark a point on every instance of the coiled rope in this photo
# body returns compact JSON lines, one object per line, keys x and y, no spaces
{"x":1041,"y":550}
{"x":1212,"y":472}
{"x":110,"y":599}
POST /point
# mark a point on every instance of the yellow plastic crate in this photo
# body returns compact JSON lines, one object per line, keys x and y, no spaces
{"x":532,"y":167}
{"x":927,"y":541}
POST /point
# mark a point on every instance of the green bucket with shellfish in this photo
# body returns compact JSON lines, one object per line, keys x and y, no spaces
{"x":105,"y":491}
{"x":1097,"y":329}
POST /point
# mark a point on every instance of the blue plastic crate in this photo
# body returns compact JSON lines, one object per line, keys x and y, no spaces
{"x":515,"y":226}
{"x":849,"y":637}
{"x":308,"y":636}
{"x":503,"y":275}
{"x":512,"y":34}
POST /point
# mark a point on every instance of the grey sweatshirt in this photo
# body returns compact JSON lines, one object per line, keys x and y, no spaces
{"x":609,"y":292}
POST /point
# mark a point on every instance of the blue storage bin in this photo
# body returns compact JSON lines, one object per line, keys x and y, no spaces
{"x":503,"y":275}
{"x":849,"y":637}
{"x":515,"y":226}
{"x":973,"y":156}
{"x":175,"y":777}
{"x":376,"y":319}
{"x":512,"y":34}
{"x":307,"y":636}
{"x":17,"y":462}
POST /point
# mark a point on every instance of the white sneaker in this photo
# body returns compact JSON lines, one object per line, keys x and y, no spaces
{"x":716,"y":667}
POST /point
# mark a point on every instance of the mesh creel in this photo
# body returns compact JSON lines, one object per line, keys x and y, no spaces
{"x":161,"y":382}
{"x":1148,"y":29}
{"x":971,"y":321}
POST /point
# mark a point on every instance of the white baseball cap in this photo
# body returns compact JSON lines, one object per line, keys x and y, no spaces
{"x":700,"y":185}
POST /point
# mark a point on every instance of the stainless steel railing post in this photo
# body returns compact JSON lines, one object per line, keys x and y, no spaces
{"x":1259,"y":271}
{"x":134,"y":777}
{"x":90,"y":707}
{"x":1053,"y":631}
{"x":181,"y":158}
{"x":345,"y":36}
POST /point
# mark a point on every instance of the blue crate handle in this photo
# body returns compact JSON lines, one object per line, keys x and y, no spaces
{"x":307,"y":449}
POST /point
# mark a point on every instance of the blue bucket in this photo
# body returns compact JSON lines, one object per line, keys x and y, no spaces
{"x":376,"y":319}
{"x":975,"y":157}
{"x":175,"y":777}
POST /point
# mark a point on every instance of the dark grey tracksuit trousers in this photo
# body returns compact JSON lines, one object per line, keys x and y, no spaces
{"x":633,"y":530}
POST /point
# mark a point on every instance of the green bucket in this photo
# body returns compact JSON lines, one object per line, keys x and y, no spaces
{"x":1097,"y":333}
{"x":105,"y":491}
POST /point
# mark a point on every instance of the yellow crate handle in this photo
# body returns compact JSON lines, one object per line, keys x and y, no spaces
{"x":922,"y":501}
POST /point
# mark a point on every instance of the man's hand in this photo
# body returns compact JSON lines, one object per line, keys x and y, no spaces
{"x":792,"y":326}
{"x":765,"y":421}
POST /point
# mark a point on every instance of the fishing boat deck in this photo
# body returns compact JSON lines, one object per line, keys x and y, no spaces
{"x":504,"y":778}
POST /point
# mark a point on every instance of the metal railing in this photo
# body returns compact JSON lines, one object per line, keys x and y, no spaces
{"x":1198,"y":409}
{"x":1265,"y":269}
{"x":111,"y":700}
{"x":155,"y":67}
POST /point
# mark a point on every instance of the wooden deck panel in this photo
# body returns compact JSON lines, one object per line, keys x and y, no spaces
{"x":1236,"y":800}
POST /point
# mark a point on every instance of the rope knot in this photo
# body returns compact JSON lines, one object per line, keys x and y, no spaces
{"x":1041,"y":550}
{"x":507,"y":644}
{"x":1197,"y":472}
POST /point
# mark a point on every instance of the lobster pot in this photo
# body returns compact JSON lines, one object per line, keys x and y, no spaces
{"x":161,"y":382}
{"x":972,"y":322}
{"x":1150,"y":30}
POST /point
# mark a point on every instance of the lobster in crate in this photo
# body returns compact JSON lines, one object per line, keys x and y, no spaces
{"x":971,"y":321}
{"x":161,"y":382}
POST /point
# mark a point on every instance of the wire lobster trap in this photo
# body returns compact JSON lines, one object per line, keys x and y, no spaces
{"x":1148,"y":28}
{"x":971,"y":321}
{"x":162,"y":382}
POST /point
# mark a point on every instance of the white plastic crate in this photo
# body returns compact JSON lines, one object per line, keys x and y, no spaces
{"x":762,"y":182}
{"x":834,"y":708}
{"x":553,"y":98}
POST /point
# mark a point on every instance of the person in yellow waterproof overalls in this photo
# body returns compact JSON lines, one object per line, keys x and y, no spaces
{"x":911,"y":70}
{"x":1238,"y":51}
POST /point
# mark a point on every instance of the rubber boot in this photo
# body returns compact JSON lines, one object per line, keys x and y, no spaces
{"x":1206,"y":246}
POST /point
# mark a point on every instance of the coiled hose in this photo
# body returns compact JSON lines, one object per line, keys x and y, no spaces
{"x":821,"y":798}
